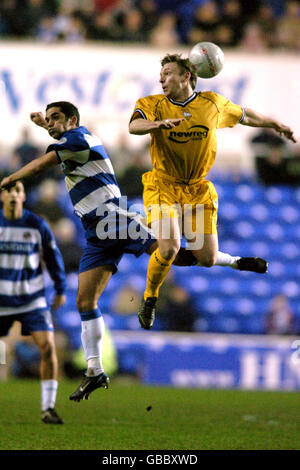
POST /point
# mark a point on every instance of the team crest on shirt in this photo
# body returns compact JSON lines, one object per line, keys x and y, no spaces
{"x":27,"y":235}
{"x":187,"y":115}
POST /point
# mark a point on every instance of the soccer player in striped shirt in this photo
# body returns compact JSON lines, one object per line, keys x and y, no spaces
{"x":26,"y":239}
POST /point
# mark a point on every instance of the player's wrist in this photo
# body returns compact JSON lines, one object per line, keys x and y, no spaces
{"x":161,"y":124}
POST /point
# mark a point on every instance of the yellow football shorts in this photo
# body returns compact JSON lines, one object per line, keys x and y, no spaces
{"x":195,"y":203}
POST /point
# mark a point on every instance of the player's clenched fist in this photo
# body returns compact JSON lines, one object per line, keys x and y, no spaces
{"x":38,"y":119}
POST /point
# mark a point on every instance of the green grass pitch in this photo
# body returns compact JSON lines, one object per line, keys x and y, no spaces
{"x":132,"y":416}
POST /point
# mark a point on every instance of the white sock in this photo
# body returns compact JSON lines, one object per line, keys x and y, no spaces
{"x":224,"y":259}
{"x":92,"y":333}
{"x":49,"y":390}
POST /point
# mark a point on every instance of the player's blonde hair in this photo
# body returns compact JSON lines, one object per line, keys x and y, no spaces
{"x":184,"y":64}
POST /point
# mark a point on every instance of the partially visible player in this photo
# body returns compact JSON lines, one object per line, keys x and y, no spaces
{"x":26,"y":240}
{"x":182,"y":124}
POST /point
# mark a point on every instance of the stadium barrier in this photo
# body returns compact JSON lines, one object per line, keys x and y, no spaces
{"x":211,"y":360}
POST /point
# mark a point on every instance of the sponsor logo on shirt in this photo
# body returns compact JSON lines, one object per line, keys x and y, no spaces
{"x":197,"y":132}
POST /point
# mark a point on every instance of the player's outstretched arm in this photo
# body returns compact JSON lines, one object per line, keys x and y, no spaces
{"x":142,"y":126}
{"x":254,"y":119}
{"x":39,"y":165}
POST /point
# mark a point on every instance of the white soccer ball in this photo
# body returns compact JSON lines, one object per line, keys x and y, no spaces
{"x":208,"y":59}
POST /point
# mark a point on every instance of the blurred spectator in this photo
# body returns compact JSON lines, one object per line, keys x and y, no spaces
{"x":150,"y":15}
{"x":130,"y":181}
{"x":64,"y":231}
{"x":121,"y":154}
{"x":67,"y":25}
{"x":205,"y":23}
{"x":268,"y":137}
{"x":161,"y":22}
{"x":269,"y":156}
{"x":253,"y":39}
{"x":76,"y":31}
{"x":277,"y":168}
{"x":164,"y":34}
{"x":47,"y":204}
{"x":26,"y":150}
{"x":104,"y":27}
{"x":120,"y":11}
{"x":5,"y":18}
{"x":270,"y":168}
{"x":132,"y":30}
{"x":280,"y":318}
{"x":35,"y":12}
{"x":45,"y":31}
{"x":267,"y":23}
{"x":12,"y":23}
{"x":184,"y":11}
{"x":73,"y":5}
{"x":105,"y":5}
{"x":175,"y":308}
{"x":273,"y":162}
{"x":231,"y":27}
{"x":289,"y":27}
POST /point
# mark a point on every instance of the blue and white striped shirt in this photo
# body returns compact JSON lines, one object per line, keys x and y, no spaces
{"x":89,"y":175}
{"x":24,"y":242}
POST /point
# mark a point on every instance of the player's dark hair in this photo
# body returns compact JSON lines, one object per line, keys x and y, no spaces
{"x":67,"y":108}
{"x":184,"y":64}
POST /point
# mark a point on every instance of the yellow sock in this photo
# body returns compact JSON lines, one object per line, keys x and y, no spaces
{"x":158,"y":269}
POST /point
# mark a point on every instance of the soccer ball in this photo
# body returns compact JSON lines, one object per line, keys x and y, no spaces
{"x":208,"y":59}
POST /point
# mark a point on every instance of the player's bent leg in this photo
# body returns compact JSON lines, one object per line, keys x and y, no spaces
{"x":91,"y":284}
{"x":257,"y":265}
{"x":208,"y":254}
{"x":211,"y":256}
{"x":46,"y":344}
{"x":168,"y":237}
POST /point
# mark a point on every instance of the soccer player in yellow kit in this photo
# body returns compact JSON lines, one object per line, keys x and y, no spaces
{"x":182,"y":124}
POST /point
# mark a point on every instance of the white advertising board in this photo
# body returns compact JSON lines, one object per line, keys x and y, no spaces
{"x":105,"y":81}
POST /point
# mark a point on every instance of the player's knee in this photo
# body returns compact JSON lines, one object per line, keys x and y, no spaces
{"x":47,"y":350}
{"x":169,"y":250}
{"x":209,"y":260}
{"x":84,"y":304}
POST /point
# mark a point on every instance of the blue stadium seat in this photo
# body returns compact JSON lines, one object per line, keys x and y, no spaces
{"x":253,"y":221}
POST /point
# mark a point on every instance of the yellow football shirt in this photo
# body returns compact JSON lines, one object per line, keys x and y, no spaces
{"x":188,"y":151}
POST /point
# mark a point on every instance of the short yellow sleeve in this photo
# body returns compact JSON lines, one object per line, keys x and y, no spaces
{"x":146,"y":107}
{"x":230,"y":115}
